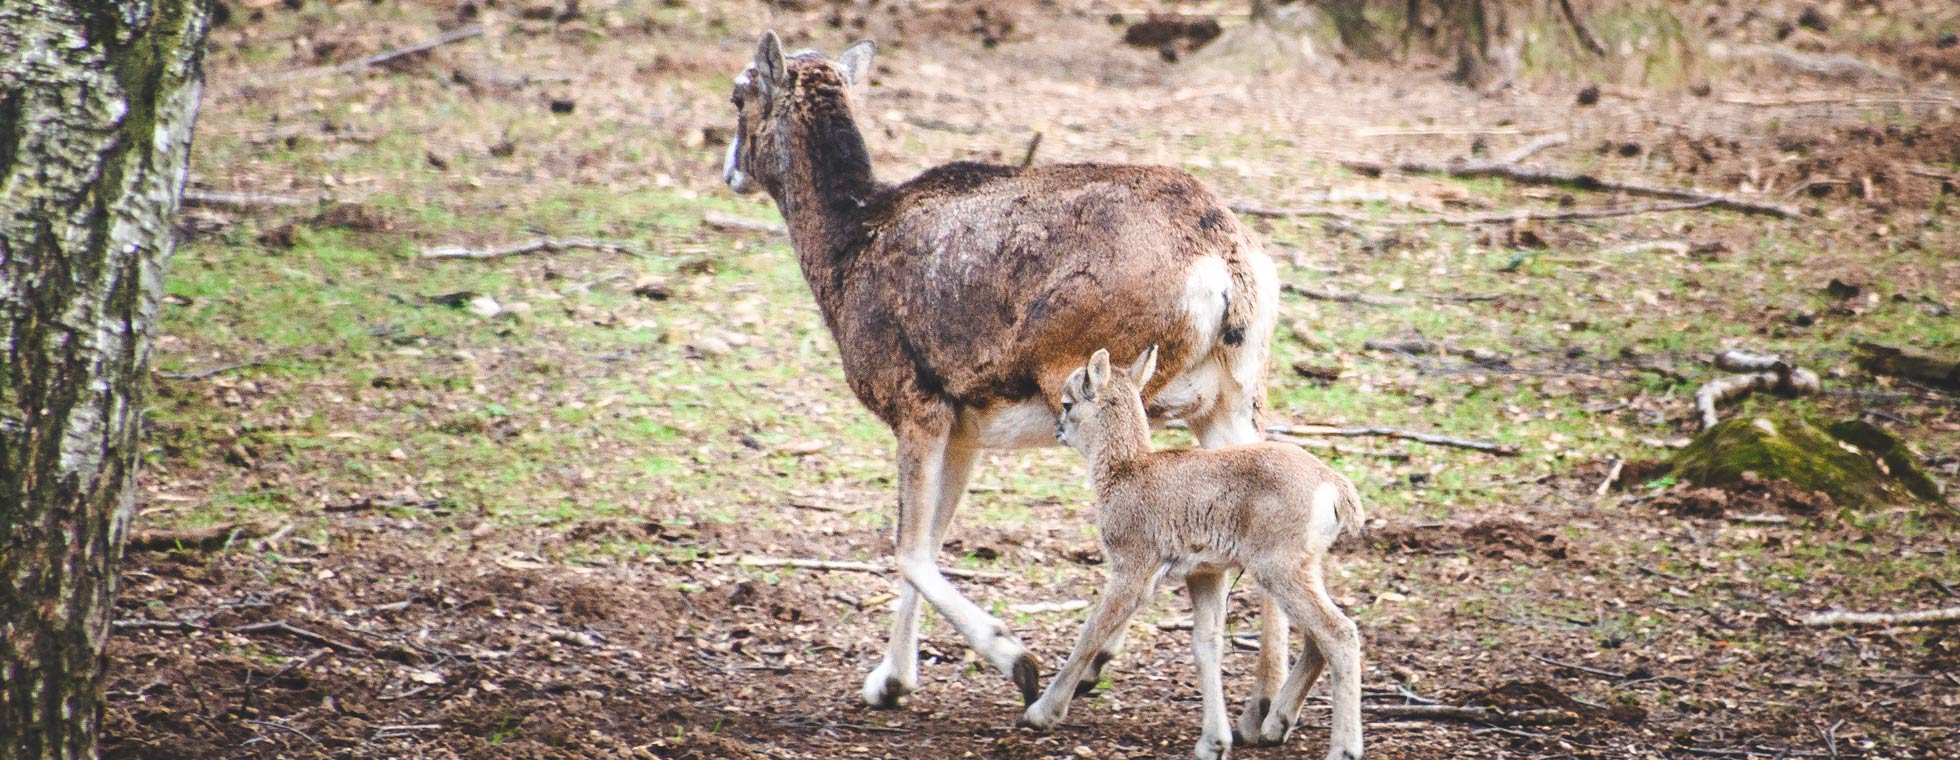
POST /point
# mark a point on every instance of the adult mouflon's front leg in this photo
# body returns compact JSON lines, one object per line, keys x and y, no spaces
{"x":924,"y":471}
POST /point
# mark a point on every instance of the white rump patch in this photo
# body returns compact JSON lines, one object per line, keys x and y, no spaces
{"x":1207,"y":286}
{"x":1324,"y":521}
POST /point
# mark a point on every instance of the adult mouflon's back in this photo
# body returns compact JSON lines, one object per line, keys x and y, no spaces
{"x":961,"y":299}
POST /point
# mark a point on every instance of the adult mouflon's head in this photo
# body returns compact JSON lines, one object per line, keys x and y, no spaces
{"x":1098,"y":403}
{"x":779,"y":98}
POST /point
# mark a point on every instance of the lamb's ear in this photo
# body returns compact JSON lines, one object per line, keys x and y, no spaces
{"x":1144,"y":367}
{"x":856,"y":63}
{"x":1072,"y":387}
{"x":1098,"y":371}
{"x":770,"y":70}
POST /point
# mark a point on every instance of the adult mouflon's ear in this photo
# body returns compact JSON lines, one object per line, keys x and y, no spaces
{"x":1144,"y":367}
{"x":1098,"y":371}
{"x":770,"y":70}
{"x":856,"y":62}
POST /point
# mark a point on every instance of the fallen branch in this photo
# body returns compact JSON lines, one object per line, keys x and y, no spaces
{"x":220,"y":198}
{"x":1612,"y":476}
{"x":1344,"y":297}
{"x":1537,"y":144}
{"x":1332,"y":447}
{"x":540,"y":245}
{"x":208,"y":372}
{"x":1837,"y":66}
{"x":473,"y":30}
{"x":199,"y":539}
{"x":1036,"y":608}
{"x":844,"y":566}
{"x":1532,"y":175}
{"x":281,"y":626}
{"x":1938,"y":616}
{"x":1389,"y":432}
{"x":1581,"y":668}
{"x":1466,"y":220}
{"x":1034,"y":143}
{"x":155,"y":625}
{"x":723,"y":221}
{"x":1764,"y":372}
{"x":306,"y":661}
{"x":1490,"y":715}
{"x":1424,"y":346}
{"x":1895,"y":362}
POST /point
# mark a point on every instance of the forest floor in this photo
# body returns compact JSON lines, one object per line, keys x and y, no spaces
{"x":509,"y":507}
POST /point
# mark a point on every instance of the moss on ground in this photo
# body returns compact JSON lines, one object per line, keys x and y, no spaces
{"x":1841,"y":459}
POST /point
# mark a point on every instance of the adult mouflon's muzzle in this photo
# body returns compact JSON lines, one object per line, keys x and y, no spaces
{"x":731,"y":170}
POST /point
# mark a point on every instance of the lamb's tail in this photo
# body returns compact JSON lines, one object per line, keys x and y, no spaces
{"x":1336,"y":509}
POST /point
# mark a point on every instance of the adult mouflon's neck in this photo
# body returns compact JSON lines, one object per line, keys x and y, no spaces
{"x":823,"y":196}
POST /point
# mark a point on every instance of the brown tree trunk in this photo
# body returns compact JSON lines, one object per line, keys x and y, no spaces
{"x":1468,"y":24}
{"x":96,"y":106}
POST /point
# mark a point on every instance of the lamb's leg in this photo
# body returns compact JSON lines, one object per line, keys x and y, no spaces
{"x":923,"y":459}
{"x":1304,"y":593}
{"x":1207,"y":640}
{"x":1235,"y":425}
{"x":1293,"y":695}
{"x":1128,"y":587}
{"x":898,"y":674}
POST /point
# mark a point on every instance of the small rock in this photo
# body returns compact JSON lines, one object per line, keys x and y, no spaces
{"x":1589,"y":96}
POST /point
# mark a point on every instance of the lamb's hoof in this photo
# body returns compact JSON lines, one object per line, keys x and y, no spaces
{"x":1344,"y":753}
{"x":1213,"y":748}
{"x":1250,"y":728}
{"x":1275,"y":730}
{"x":884,"y":690}
{"x":1027,"y":675}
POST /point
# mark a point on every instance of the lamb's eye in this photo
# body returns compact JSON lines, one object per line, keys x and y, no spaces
{"x":1067,"y":405}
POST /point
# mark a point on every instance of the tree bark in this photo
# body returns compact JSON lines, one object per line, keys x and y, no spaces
{"x":97,"y":101}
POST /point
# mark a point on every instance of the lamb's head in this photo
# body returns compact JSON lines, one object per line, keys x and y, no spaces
{"x":1100,"y":405}
{"x":768,"y":98}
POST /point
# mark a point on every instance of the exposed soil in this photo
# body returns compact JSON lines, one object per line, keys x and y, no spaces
{"x":416,"y":627}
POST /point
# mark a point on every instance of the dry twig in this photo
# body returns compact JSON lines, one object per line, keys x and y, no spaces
{"x":1465,"y":220}
{"x":731,"y":222}
{"x":1534,"y":175}
{"x":1489,"y":715}
{"x":540,"y":245}
{"x":1537,"y":144}
{"x":1579,"y":29}
{"x":358,"y":64}
{"x":1937,"y":616}
{"x":207,"y":538}
{"x":1763,"y":372}
{"x":220,"y":198}
{"x":844,"y":566}
{"x":1389,"y":432}
{"x":281,"y":626}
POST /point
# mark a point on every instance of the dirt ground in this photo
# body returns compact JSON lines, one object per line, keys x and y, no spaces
{"x":523,"y":532}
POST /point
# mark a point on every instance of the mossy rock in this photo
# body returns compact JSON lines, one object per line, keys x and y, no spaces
{"x":1839,"y":459}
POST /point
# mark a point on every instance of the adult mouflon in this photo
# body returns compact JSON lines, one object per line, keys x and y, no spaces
{"x":1269,"y":509}
{"x":961,"y":299}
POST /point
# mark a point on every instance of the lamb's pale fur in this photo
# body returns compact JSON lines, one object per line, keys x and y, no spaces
{"x":1270,"y":509}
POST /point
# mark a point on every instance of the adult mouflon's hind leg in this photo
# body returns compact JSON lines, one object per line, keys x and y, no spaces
{"x":898,"y":674}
